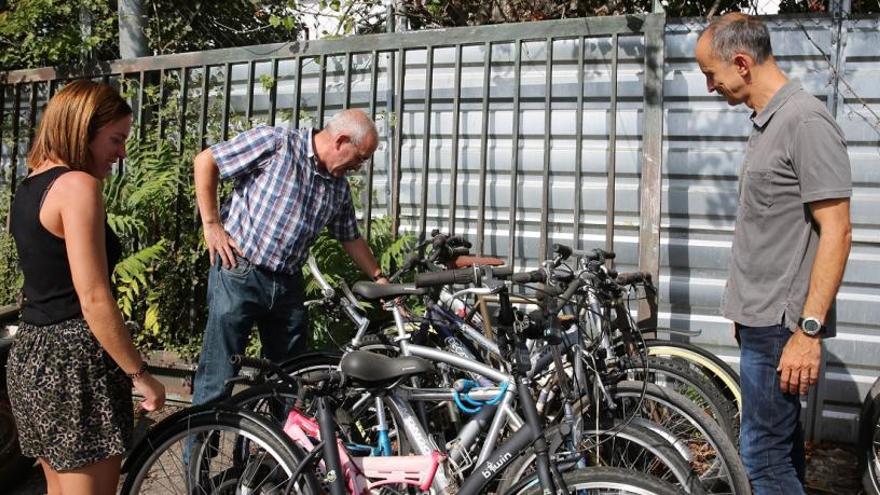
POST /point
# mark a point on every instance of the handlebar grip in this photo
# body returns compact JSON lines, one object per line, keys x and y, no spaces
{"x":249,"y":362}
{"x":433,"y":279}
{"x":501,"y":271}
{"x":458,"y":241}
{"x":596,"y":254}
{"x":562,"y":250}
{"x":633,"y":278}
{"x":529,"y":277}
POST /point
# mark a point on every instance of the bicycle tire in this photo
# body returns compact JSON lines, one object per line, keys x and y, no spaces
{"x":173,"y":435}
{"x":667,"y":464}
{"x":869,"y":441}
{"x":623,"y":481}
{"x":685,"y":380}
{"x":714,"y":367}
{"x":696,"y":421}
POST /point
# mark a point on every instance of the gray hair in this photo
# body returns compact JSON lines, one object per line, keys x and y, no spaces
{"x":739,"y":33}
{"x":353,"y":123}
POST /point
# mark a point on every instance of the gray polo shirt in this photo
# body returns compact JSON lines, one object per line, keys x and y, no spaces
{"x":796,"y":155}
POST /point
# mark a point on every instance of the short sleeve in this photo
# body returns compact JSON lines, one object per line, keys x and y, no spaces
{"x":343,"y":227}
{"x":820,"y":160}
{"x":246,"y":151}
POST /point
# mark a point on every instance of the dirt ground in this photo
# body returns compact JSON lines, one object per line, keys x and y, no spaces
{"x":831,"y":468}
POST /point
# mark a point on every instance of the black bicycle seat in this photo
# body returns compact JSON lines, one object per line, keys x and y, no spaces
{"x":372,"y":290}
{"x":374,"y":369}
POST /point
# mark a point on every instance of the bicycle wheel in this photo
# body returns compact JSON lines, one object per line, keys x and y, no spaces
{"x":215,"y":449}
{"x":667,"y":372}
{"x":696,"y":435}
{"x":707,"y":363}
{"x":630,"y":447}
{"x":869,"y":443}
{"x":607,"y":481}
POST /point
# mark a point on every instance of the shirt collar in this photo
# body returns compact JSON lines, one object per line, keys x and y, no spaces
{"x":310,"y":153}
{"x":776,"y":102}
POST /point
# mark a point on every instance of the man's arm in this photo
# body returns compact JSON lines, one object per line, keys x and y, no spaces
{"x":363,"y":257}
{"x":799,"y":364}
{"x":206,"y":178}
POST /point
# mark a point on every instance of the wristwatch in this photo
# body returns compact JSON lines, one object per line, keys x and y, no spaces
{"x":811,"y":326}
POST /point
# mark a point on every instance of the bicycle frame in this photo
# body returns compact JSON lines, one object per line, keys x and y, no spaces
{"x":423,"y":470}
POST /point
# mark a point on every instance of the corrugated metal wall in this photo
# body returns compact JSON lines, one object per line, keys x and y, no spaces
{"x":704,"y":142}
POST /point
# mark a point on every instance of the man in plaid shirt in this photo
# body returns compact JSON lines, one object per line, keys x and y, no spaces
{"x":287,"y":186}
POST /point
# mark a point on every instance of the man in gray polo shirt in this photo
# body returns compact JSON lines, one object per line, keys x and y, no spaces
{"x":790,"y":245}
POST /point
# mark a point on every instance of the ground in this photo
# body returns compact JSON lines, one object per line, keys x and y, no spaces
{"x":831,"y":468}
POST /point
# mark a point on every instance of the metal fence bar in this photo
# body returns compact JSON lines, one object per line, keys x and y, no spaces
{"x":273,"y":92}
{"x":16,"y":109}
{"x":497,"y":33}
{"x":249,"y":102}
{"x":159,"y":111}
{"x":322,"y":67}
{"x":32,"y":115}
{"x":398,"y":145}
{"x":184,"y":93}
{"x":545,"y":200}
{"x":456,"y":112}
{"x":484,"y":149}
{"x":579,"y":145}
{"x":203,"y":111}
{"x":297,"y":93}
{"x":374,"y":82}
{"x":612,"y":150}
{"x":227,"y":90}
{"x":140,"y":118}
{"x":426,"y":143}
{"x":13,"y":150}
{"x":652,"y":153}
{"x":514,"y":154}
{"x":347,"y":99}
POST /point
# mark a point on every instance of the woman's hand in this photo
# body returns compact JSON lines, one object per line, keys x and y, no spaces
{"x":152,"y":390}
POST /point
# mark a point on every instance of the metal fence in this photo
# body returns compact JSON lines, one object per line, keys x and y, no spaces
{"x":435,"y":94}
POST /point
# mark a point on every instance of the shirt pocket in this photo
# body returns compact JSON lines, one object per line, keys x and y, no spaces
{"x":757,"y":195}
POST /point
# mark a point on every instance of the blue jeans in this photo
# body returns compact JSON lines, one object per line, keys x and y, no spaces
{"x":238,"y":298}
{"x":771,"y":439}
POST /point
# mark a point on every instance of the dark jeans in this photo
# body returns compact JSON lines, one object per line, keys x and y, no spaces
{"x":771,"y":439}
{"x":238,"y":298}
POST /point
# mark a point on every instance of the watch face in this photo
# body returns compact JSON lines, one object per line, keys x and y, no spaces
{"x":811,"y":326}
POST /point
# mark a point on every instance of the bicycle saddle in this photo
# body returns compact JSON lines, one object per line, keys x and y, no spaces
{"x":372,"y":368}
{"x":372,"y":290}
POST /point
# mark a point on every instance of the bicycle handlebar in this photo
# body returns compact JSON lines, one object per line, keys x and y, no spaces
{"x":633,"y":278}
{"x":264,"y":365}
{"x":458,"y":276}
{"x":529,"y":277}
{"x":326,"y":290}
{"x":594,"y":255}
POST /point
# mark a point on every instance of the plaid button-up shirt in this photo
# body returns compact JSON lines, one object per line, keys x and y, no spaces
{"x":280,"y":199}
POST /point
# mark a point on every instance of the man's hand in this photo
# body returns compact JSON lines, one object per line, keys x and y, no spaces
{"x":799,"y":364}
{"x":219,"y":242}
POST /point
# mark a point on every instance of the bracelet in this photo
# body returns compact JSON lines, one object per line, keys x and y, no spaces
{"x":139,"y":373}
{"x":379,"y":275}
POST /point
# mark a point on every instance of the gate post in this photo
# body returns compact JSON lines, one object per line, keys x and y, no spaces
{"x":650,"y":185}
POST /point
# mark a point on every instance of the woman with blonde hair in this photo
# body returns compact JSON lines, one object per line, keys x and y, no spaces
{"x":72,"y":367}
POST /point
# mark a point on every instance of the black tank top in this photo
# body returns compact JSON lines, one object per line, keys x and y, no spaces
{"x":49,"y":296}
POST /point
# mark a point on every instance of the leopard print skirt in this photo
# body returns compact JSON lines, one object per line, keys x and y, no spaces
{"x":71,"y":402}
